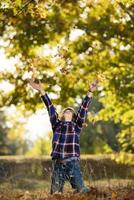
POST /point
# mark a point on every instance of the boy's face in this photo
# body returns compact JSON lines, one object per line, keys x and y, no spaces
{"x":68,"y":115}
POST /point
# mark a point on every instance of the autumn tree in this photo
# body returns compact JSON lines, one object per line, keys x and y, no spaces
{"x":104,"y":47}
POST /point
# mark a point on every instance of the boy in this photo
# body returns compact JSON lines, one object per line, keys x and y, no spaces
{"x":66,"y":141}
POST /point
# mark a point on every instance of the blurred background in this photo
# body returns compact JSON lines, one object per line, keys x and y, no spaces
{"x":66,"y":44}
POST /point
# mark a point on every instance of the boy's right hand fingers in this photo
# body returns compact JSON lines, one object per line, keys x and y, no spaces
{"x":36,"y":81}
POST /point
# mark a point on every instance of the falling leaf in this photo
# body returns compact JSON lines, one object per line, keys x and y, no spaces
{"x":114,"y":195}
{"x":100,"y":77}
{"x":64,"y":70}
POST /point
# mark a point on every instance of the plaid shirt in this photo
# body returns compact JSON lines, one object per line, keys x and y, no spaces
{"x":66,"y":134}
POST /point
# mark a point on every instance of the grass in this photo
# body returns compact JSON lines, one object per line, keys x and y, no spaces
{"x":33,"y":189}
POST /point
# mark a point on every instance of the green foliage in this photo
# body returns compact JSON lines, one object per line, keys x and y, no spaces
{"x":126,"y":139}
{"x":3,"y":135}
{"x":41,"y":146}
{"x":100,"y":138}
{"x":123,"y":157}
{"x":11,"y":139}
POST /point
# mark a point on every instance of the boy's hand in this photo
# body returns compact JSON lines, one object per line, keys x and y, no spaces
{"x":36,"y":84}
{"x":93,"y":86}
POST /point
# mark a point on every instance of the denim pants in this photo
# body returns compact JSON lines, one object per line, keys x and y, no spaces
{"x":69,"y":171}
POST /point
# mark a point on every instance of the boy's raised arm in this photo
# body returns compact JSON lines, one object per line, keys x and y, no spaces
{"x":82,"y":111}
{"x":50,"y":107}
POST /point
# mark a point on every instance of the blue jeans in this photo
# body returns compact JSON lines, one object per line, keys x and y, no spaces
{"x":69,"y":171}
